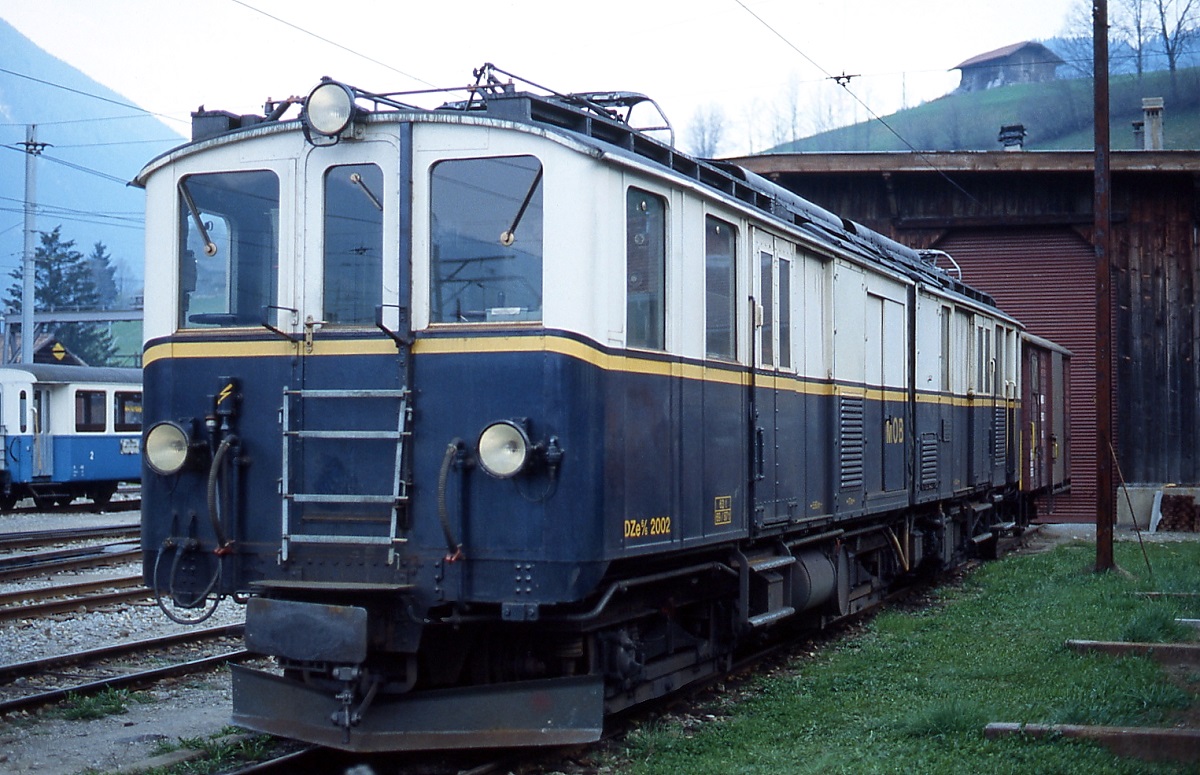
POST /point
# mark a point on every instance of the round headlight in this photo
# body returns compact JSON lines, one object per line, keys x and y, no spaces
{"x":329,"y":108}
{"x":503,"y":449}
{"x":166,"y":448}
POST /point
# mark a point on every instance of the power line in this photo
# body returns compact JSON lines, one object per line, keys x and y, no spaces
{"x":333,"y":43}
{"x":89,"y":94}
{"x":844,"y":81}
{"x":72,"y":165}
{"x":132,"y":215}
{"x":142,"y":114}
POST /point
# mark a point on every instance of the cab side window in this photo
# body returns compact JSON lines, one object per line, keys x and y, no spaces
{"x":720,"y":286}
{"x":486,"y":240}
{"x":645,"y":269}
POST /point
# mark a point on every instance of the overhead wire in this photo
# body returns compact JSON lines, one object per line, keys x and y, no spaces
{"x":72,"y":165}
{"x":80,"y":92}
{"x":844,"y":82}
{"x":335,"y":44}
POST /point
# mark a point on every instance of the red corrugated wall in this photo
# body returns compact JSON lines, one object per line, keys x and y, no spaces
{"x":1046,"y":279}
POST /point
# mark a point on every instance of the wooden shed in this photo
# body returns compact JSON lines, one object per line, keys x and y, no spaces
{"x":1026,"y":62}
{"x":1020,"y":225}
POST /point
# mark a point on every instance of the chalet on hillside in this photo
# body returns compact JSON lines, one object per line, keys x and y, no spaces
{"x":1026,"y":62}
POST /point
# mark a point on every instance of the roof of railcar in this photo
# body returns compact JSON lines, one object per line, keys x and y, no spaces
{"x":53,"y":373}
{"x":576,"y":117}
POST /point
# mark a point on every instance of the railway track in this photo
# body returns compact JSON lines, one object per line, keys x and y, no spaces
{"x":48,"y":680}
{"x":75,"y":558}
{"x":22,"y":540}
{"x":85,"y":595}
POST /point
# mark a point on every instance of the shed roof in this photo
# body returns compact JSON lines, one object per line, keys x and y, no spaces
{"x":1007,"y":51}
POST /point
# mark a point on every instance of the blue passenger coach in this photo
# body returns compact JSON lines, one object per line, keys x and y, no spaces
{"x":68,"y":432}
{"x":505,"y":414}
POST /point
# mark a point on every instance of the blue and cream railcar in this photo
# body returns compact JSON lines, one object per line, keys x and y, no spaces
{"x":506,"y":415}
{"x":68,"y":432}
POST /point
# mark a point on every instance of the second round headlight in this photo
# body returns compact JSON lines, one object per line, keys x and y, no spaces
{"x":504,"y":449}
{"x":166,"y":448}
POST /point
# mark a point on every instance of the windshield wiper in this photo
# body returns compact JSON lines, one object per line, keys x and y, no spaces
{"x":507,"y":238}
{"x":357,"y":180}
{"x":210,"y":247}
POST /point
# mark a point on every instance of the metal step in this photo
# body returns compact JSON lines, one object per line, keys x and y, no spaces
{"x":770,"y":617}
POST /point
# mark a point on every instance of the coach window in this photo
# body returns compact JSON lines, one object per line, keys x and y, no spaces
{"x":486,"y":240}
{"x":353,"y":271}
{"x":645,"y":269}
{"x":228,"y":248}
{"x":24,"y":411}
{"x":127,"y":411}
{"x":89,"y":411}
{"x":720,"y":286}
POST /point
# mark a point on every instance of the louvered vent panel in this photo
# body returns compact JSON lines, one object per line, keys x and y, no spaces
{"x":852,"y":436}
{"x":929,"y":461}
{"x":1000,"y":433}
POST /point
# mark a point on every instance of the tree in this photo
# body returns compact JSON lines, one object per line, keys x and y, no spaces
{"x":1178,"y":22}
{"x":63,"y":281}
{"x":104,"y":277}
{"x":706,"y":131}
{"x":1131,"y":24}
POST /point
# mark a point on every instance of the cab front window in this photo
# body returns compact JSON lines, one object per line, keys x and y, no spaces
{"x":353,"y":244}
{"x":228,"y":248}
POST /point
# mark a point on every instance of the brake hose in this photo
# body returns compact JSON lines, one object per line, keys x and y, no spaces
{"x":158,"y":598}
{"x":214,"y":473}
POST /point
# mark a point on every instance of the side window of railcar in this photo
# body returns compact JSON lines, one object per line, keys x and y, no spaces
{"x":127,"y":411}
{"x":645,"y":269}
{"x":486,"y":240}
{"x":90,"y":411}
{"x":785,"y":313}
{"x":353,"y":244}
{"x":24,"y":410}
{"x":228,"y":248}
{"x":720,"y":288}
{"x":766,"y":297}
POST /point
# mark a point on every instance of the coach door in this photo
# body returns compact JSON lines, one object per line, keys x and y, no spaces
{"x":43,"y":442}
{"x":776,"y":407}
{"x":345,"y":418}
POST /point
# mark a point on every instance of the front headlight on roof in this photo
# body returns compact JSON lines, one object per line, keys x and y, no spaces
{"x":329,"y":108}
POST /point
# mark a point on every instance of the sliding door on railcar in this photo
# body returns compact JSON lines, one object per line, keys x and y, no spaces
{"x":871,"y":376}
{"x":778,"y":433}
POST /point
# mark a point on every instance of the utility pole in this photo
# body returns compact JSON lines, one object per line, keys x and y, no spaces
{"x":33,"y":149}
{"x":1106,"y":493}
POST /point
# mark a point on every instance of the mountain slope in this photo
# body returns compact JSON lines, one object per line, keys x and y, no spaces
{"x":109,"y":141}
{"x":1056,"y":116}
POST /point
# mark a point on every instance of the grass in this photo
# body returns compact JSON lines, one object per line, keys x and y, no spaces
{"x":107,"y":702}
{"x":914,"y":690}
{"x":219,"y":752}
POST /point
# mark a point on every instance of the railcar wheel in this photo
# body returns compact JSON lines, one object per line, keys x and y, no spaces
{"x":7,"y":502}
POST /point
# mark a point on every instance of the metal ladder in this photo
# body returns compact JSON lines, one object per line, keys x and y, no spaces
{"x":397,"y":499}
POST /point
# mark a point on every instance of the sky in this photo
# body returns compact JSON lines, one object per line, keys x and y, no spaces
{"x":764,"y":63}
